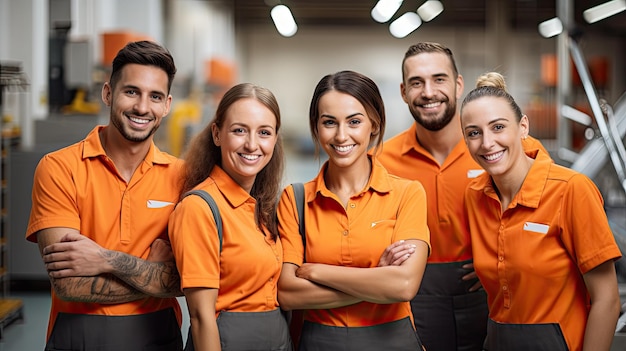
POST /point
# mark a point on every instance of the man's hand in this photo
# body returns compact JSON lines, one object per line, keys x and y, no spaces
{"x":160,"y":251}
{"x":305,"y":271}
{"x":472,"y":275}
{"x":75,"y":256}
{"x":395,"y":254}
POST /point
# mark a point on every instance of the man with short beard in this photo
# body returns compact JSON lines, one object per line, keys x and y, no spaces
{"x":450,"y":308}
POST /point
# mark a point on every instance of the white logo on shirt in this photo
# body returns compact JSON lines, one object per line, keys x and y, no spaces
{"x":158,"y":204}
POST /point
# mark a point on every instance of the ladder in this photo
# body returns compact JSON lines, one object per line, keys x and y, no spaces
{"x":611,"y":125}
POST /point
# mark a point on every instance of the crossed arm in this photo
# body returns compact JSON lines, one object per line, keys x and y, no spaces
{"x":321,"y":286}
{"x":83,"y":271}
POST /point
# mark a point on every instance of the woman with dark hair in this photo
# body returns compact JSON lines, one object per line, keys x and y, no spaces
{"x":353,"y":211}
{"x":543,"y":249}
{"x":230,"y":282}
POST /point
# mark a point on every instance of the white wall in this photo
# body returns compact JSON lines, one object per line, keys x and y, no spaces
{"x":198,"y":31}
{"x":91,"y":18}
{"x":291,"y":67}
{"x":4,"y":33}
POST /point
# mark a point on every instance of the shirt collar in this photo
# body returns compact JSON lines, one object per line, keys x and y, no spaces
{"x":378,"y":181}
{"x":92,"y":145}
{"x":532,"y":189}
{"x":93,"y":148}
{"x":232,"y":191}
{"x":410,"y":143}
{"x":533,"y":186}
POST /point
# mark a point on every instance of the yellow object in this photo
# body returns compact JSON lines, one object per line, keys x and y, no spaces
{"x":186,"y":112}
{"x":80,"y":105}
{"x":9,"y":128}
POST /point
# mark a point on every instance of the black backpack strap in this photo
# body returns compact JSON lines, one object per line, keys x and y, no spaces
{"x":298,"y":191}
{"x":214,"y":209}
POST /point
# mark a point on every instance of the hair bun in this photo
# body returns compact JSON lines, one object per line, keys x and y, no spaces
{"x":491,"y":79}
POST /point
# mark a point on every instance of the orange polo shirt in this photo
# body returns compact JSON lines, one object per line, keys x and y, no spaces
{"x":445,"y":184}
{"x":531,"y":258}
{"x":388,"y":210}
{"x":79,"y":187}
{"x":246,"y":271}
{"x":403,"y":156}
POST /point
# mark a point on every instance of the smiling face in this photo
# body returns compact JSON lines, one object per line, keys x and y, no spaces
{"x":139,"y":101}
{"x":430,"y":89}
{"x":493,"y":135}
{"x":344,"y":128}
{"x":246,"y":139}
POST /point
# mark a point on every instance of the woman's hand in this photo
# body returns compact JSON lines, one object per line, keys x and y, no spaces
{"x":396,"y":253}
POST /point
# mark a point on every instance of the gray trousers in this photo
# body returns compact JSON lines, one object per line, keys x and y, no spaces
{"x":394,"y":336}
{"x":447,"y":316}
{"x":251,"y":331}
{"x":522,"y":337}
{"x":156,"y":331}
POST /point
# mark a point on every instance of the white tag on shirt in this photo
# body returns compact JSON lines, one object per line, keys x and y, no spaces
{"x":536,"y":227}
{"x":473,"y":173}
{"x":158,"y":204}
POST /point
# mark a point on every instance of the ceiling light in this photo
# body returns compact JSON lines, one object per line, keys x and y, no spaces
{"x":385,"y":9}
{"x":405,"y":24}
{"x":283,"y":20}
{"x":430,"y":9}
{"x":603,"y":11}
{"x":551,"y":27}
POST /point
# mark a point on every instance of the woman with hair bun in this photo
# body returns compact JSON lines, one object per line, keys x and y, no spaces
{"x":543,"y":249}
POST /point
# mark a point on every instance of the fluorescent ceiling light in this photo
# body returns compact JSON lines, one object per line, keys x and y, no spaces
{"x":405,"y":24}
{"x":385,"y":9}
{"x":603,"y":11}
{"x":283,"y":20}
{"x":430,"y":9}
{"x":551,"y":27}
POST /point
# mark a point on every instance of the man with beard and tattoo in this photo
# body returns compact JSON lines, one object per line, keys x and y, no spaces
{"x":99,"y":214}
{"x":450,"y":308}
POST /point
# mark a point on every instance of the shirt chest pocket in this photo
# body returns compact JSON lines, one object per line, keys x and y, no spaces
{"x":377,"y":235}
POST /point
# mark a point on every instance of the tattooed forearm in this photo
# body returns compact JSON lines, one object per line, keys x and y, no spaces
{"x":116,"y":289}
{"x":105,"y":289}
{"x":153,"y":278}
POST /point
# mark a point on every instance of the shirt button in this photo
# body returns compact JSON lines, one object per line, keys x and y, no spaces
{"x":505,"y":288}
{"x":501,"y":258}
{"x":345,"y":232}
{"x":352,"y":205}
{"x":271,"y":279}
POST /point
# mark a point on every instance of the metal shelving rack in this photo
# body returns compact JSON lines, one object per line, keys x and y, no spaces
{"x":12,"y":78}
